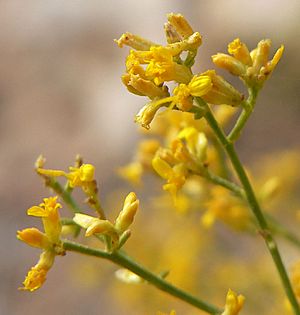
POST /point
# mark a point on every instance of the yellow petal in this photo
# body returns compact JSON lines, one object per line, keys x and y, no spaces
{"x":33,"y":237}
{"x":162,"y":168}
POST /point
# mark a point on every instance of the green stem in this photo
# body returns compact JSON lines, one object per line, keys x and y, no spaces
{"x":246,"y":112}
{"x":63,"y":193}
{"x":255,"y":207}
{"x":224,"y":183}
{"x":123,"y":260}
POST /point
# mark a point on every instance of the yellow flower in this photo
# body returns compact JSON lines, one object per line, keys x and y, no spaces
{"x":182,"y":98}
{"x":198,"y":86}
{"x":78,"y":176}
{"x":196,"y":142}
{"x":175,"y":176}
{"x":49,"y":241}
{"x":162,"y":67}
{"x":234,"y":303}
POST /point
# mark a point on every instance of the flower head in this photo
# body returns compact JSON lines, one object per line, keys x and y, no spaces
{"x":252,"y":67}
{"x":49,"y":241}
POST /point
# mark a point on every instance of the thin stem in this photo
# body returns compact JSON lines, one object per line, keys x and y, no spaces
{"x":244,"y":116}
{"x":255,"y":207}
{"x":224,"y":183}
{"x":123,"y":260}
{"x":63,"y":193}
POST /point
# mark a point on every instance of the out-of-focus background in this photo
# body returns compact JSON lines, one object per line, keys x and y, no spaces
{"x":61,"y":94}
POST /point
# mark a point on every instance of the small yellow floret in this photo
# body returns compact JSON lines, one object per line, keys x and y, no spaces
{"x":198,"y":86}
{"x":34,"y":279}
{"x":81,"y":175}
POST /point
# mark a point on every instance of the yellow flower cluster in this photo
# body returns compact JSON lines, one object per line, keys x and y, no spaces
{"x":187,"y":153}
{"x":49,"y":241}
{"x":253,"y":67}
{"x":151,"y":66}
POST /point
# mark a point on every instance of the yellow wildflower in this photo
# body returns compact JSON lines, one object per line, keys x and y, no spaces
{"x":175,"y":176}
{"x":82,"y":175}
{"x":234,"y":303}
{"x":78,"y":176}
{"x":182,"y":98}
{"x":198,"y":86}
{"x":49,"y":241}
{"x":162,"y":67}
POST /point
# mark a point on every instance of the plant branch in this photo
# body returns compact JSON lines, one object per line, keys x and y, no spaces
{"x":244,"y":116}
{"x":123,"y":260}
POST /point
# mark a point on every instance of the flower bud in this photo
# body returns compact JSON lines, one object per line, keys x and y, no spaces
{"x":126,"y":216}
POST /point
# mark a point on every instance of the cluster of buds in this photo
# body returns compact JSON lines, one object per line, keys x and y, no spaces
{"x":254,"y":67}
{"x":186,"y":154}
{"x":118,"y":232}
{"x":49,"y":241}
{"x":150,"y":66}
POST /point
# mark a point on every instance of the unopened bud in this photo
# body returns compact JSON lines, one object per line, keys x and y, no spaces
{"x":126,"y":216}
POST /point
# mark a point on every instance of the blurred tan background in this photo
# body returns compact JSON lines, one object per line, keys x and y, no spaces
{"x":60,"y":94}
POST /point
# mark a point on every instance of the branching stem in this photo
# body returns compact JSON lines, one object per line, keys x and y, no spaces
{"x":254,"y":206}
{"x":125,"y":261}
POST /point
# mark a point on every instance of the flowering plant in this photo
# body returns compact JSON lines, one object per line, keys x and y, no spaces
{"x":186,"y":114}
